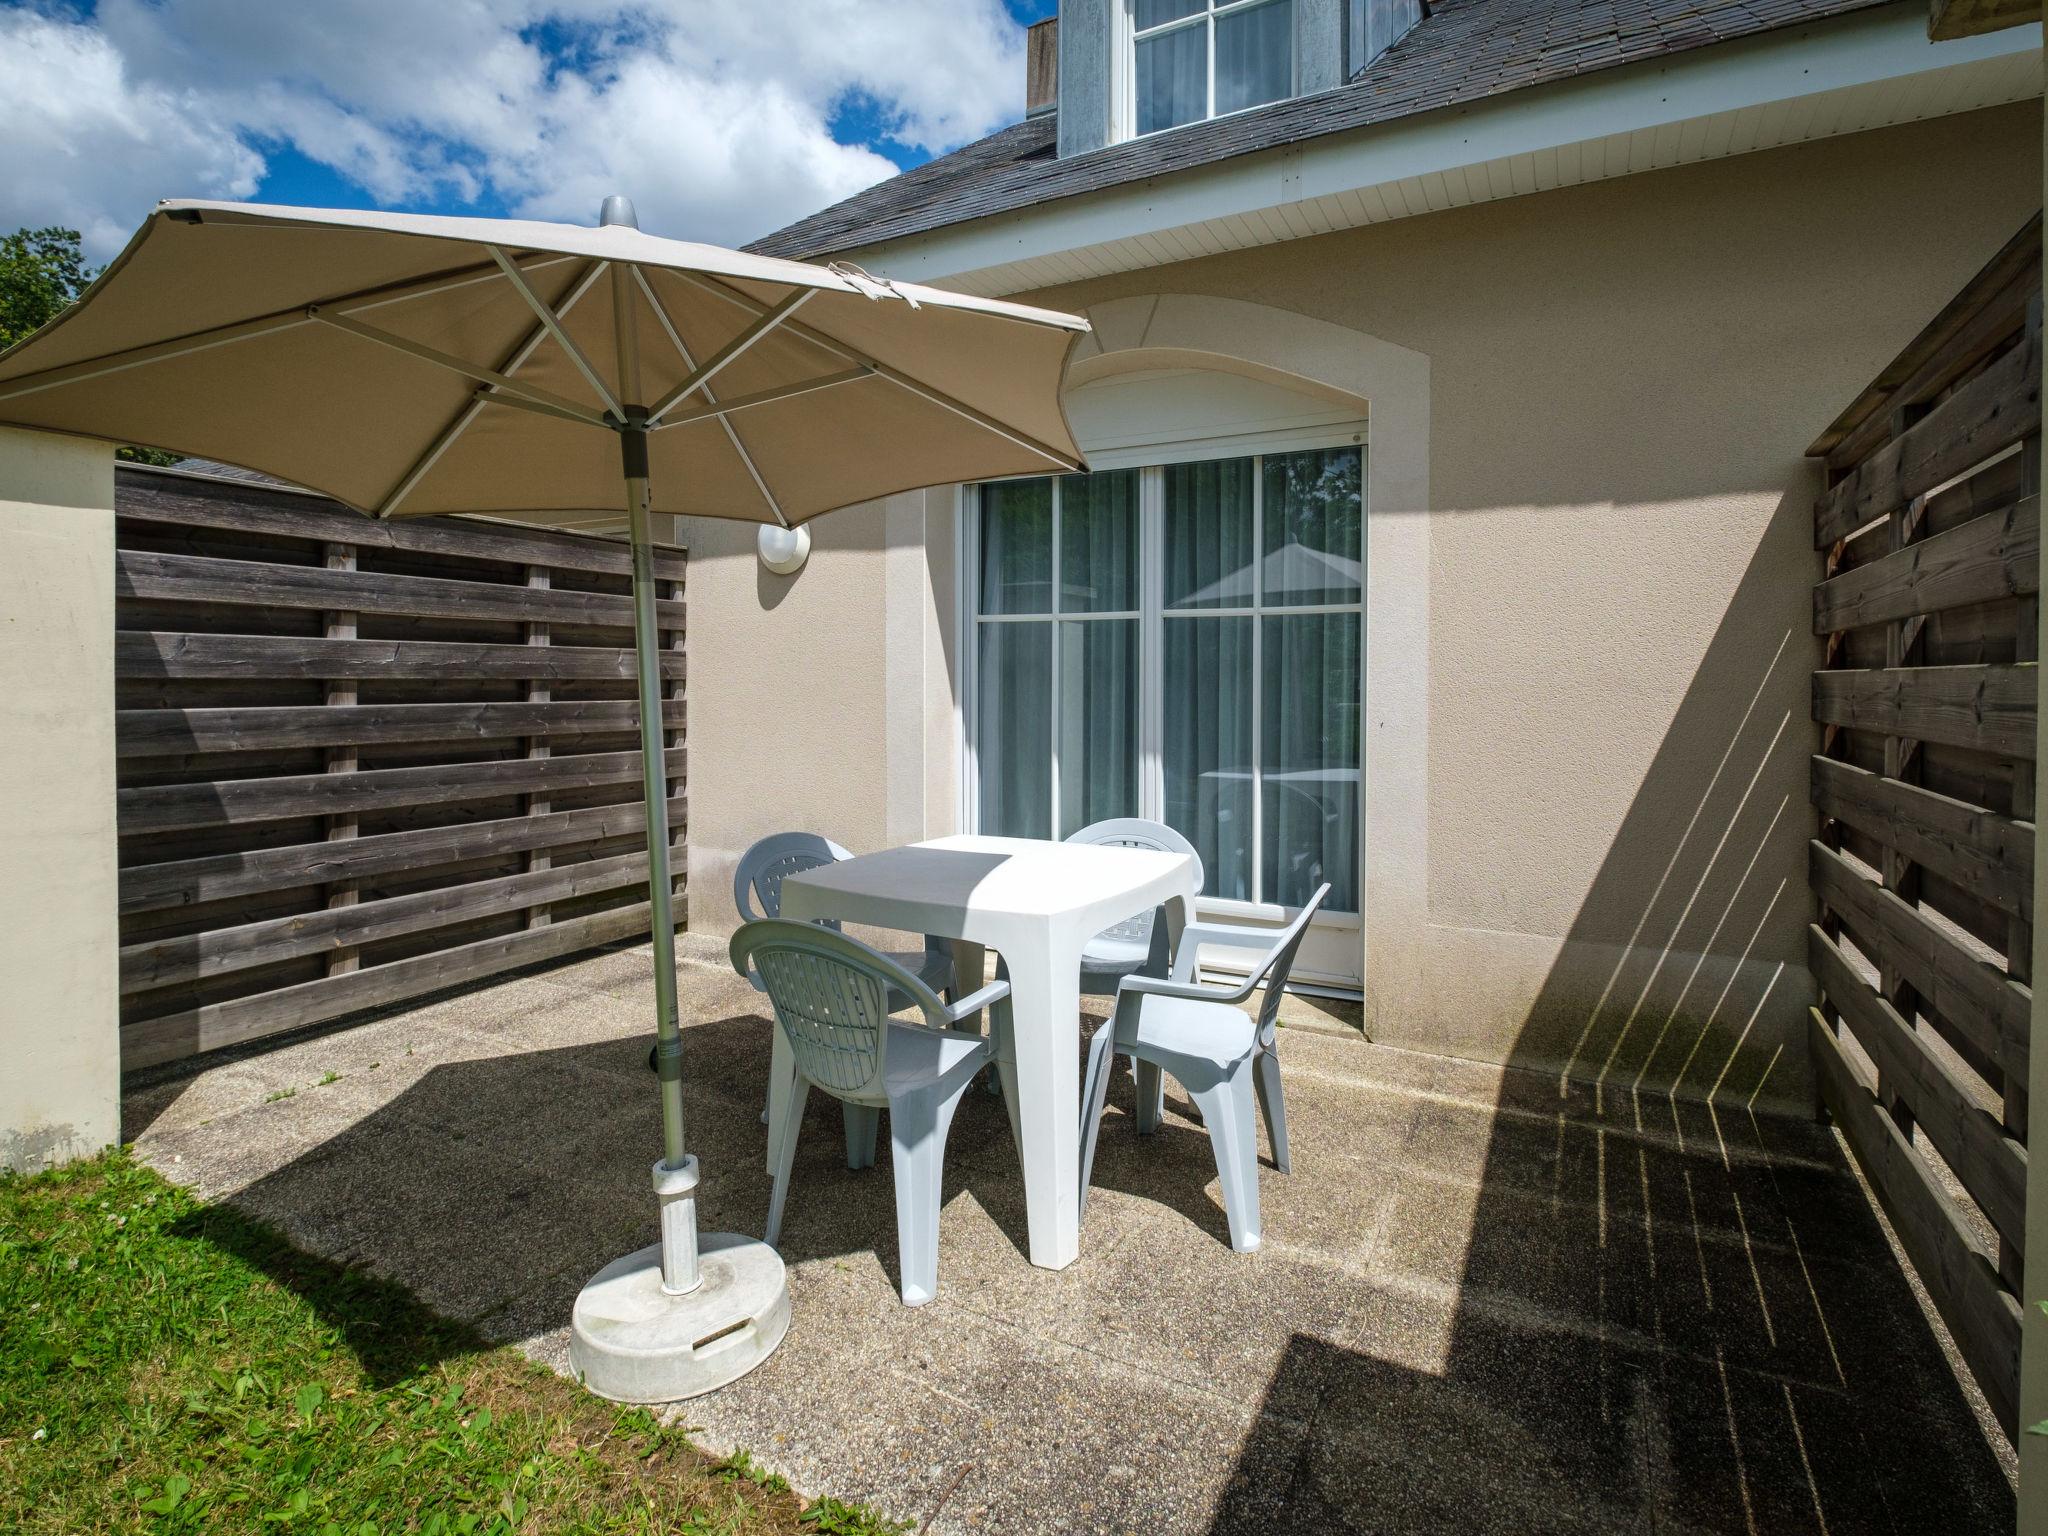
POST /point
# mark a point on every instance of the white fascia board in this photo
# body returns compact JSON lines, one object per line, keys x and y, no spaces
{"x":1869,"y":48}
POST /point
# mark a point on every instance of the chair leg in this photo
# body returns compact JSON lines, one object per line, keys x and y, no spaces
{"x":1228,"y":1113}
{"x":1274,"y":1108}
{"x":863,"y":1123}
{"x":1094,"y":1094}
{"x":1151,"y":1095}
{"x":782,"y":1156}
{"x":781,"y":1079}
{"x":918,"y":1123}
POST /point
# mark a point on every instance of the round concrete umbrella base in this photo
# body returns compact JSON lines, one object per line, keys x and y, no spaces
{"x":633,"y":1342}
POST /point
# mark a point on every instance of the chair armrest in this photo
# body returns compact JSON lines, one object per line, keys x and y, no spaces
{"x":1160,"y":986}
{"x":972,"y":1004}
{"x":1208,"y":931}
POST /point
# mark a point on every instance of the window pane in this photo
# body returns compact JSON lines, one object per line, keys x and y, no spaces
{"x":1254,"y":56}
{"x":1152,"y":13}
{"x":1206,"y":747}
{"x":1013,"y":729}
{"x":1314,"y":527}
{"x":1173,"y":78}
{"x":1310,"y":700}
{"x":1016,"y":547}
{"x":1209,"y":539}
{"x":1098,"y":721}
{"x":1099,"y":542}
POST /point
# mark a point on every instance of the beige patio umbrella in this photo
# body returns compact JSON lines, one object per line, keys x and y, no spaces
{"x":411,"y":365}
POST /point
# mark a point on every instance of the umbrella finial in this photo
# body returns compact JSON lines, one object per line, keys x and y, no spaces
{"x":618,"y":209}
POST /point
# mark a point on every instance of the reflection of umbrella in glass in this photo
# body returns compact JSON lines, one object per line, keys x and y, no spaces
{"x":1292,"y":573}
{"x":410,"y":365}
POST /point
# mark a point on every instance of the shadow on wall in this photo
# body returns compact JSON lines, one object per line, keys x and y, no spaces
{"x":1684,"y":967}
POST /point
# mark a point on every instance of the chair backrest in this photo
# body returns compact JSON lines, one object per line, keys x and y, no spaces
{"x":831,"y":1000}
{"x":1279,"y":964}
{"x":1136,"y":832}
{"x":772,"y":860}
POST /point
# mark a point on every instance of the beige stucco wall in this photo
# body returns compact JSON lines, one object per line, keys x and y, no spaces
{"x":819,"y":701}
{"x":59,"y":1019}
{"x":1593,"y":649}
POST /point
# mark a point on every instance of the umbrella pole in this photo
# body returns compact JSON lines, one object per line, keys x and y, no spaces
{"x":675,"y":1177}
{"x":686,"y":1315}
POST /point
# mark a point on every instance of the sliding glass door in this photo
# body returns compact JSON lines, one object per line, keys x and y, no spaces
{"x":1183,"y":642}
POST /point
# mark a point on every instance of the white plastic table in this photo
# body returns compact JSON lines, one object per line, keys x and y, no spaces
{"x":1036,"y":904}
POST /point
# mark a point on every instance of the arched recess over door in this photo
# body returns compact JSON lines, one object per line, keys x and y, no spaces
{"x":1292,"y":356}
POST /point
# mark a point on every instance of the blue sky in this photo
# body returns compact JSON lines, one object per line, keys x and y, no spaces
{"x":722,"y":122}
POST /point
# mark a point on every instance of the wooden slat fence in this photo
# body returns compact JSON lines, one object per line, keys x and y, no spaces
{"x":1923,"y":865}
{"x":363,"y":761}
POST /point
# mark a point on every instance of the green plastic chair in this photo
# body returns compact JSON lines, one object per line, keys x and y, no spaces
{"x":831,"y":996}
{"x":1223,"y":1056}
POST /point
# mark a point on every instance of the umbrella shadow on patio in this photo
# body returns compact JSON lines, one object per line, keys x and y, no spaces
{"x":490,"y":1189}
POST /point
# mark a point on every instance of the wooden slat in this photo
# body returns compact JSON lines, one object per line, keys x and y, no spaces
{"x":175,"y":654}
{"x":1985,"y":708}
{"x":178,"y":732}
{"x":1984,"y":1005}
{"x":166,"y":497}
{"x":148,"y":1042}
{"x":1992,"y":411}
{"x":220,"y":951}
{"x":171,"y":807}
{"x":1997,"y":555}
{"x":256,"y":871}
{"x":156,"y":577}
{"x":2018,"y":261}
{"x":1991,"y":1165}
{"x":1988,"y":855}
{"x":1951,"y":1261}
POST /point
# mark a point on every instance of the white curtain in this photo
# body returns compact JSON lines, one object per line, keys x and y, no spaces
{"x":1254,"y":56}
{"x":1259,"y":682}
{"x":1172,"y":78}
{"x":1013,"y":702}
{"x":1098,"y":720}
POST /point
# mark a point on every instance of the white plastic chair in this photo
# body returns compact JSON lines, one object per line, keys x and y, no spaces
{"x":830,"y":994}
{"x":764,"y":867}
{"x":1138,"y":944}
{"x":1224,"y":1057}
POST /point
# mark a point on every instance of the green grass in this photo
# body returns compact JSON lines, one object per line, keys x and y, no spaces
{"x":170,"y":1366}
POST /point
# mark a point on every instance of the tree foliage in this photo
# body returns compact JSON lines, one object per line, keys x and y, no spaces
{"x":42,"y":273}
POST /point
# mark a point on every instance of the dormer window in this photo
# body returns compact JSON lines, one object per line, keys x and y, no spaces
{"x":1195,"y":59}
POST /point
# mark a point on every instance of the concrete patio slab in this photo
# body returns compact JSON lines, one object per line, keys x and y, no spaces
{"x":1487,"y":1301}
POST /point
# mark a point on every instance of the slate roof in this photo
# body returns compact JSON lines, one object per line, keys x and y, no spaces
{"x":1465,"y":51}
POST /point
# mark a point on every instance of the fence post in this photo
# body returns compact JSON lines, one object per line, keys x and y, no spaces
{"x":340,"y":624}
{"x":538,"y":690}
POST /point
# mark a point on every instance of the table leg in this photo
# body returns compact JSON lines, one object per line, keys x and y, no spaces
{"x":1046,"y":999}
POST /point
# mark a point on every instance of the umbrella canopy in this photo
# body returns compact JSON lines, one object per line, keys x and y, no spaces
{"x":409,"y":365}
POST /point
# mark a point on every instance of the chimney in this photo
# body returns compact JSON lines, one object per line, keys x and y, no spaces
{"x":1042,"y":66}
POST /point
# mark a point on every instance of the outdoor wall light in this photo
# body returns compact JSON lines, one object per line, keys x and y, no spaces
{"x":784,"y":550}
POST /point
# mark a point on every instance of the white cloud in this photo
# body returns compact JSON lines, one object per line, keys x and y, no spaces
{"x":716,"y":118}
{"x":83,"y":145}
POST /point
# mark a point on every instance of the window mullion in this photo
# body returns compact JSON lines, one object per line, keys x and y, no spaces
{"x":1258,"y":722}
{"x":1151,"y":645}
{"x":1053,"y":683}
{"x":1210,"y":104}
